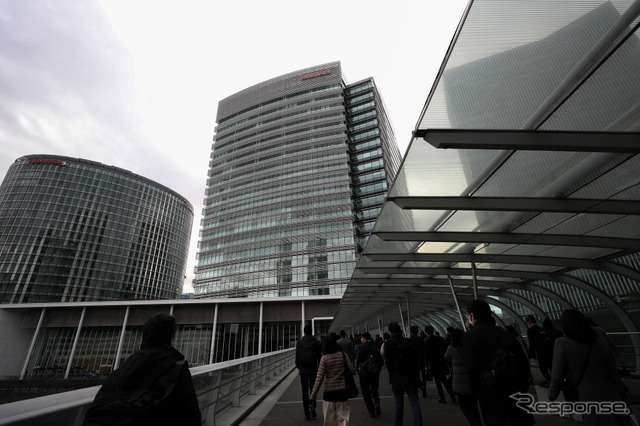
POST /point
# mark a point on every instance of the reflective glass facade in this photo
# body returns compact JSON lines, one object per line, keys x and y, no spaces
{"x":299,"y":170}
{"x":77,"y":230}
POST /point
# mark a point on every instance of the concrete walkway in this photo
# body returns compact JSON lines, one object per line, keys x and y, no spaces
{"x":284,"y":407}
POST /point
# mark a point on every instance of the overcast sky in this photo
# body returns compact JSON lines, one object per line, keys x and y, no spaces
{"x":136,"y":84}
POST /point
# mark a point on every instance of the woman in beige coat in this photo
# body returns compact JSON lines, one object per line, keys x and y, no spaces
{"x":335,"y":405}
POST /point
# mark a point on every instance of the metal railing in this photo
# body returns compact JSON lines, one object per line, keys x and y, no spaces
{"x":225,"y":390}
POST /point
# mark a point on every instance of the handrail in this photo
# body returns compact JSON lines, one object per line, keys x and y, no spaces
{"x":218,"y":386}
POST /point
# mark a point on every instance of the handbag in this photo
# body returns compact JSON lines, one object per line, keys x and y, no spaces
{"x":349,"y":381}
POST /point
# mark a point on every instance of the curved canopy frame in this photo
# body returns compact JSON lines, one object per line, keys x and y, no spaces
{"x":523,"y":168}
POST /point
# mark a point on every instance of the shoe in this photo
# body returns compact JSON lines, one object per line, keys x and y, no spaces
{"x":307,"y":417}
{"x":424,"y":393}
{"x":453,"y":399}
{"x":442,"y":401}
{"x":378,"y":412}
{"x":372,"y":414}
{"x":313,"y":413}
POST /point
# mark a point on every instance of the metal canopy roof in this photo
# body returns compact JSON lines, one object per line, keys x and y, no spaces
{"x":523,"y":168}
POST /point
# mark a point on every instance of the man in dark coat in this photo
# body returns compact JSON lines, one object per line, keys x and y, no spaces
{"x":480,"y":347}
{"x":537,"y":336}
{"x":369,"y":381}
{"x":418,"y":342}
{"x":434,"y":349}
{"x":157,"y":372}
{"x":401,"y":359}
{"x":308,"y":354}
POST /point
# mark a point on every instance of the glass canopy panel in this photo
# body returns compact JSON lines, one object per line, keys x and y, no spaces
{"x":608,"y":97}
{"x":541,"y":173}
{"x":428,"y":171}
{"x":508,"y":59}
{"x":376,"y":245}
{"x":577,"y":252}
{"x":396,"y":219}
{"x":620,"y":183}
{"x":627,"y":227}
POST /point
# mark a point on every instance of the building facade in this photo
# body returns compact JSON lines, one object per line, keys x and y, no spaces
{"x":76,"y":230}
{"x":299,"y":169}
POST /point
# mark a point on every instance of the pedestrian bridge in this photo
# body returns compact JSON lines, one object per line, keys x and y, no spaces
{"x":259,"y":390}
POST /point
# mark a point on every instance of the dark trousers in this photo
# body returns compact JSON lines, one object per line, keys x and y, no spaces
{"x":469,"y":407}
{"x":369,"y":386}
{"x":307,"y":380}
{"x":447,"y":384}
{"x":412,"y":393}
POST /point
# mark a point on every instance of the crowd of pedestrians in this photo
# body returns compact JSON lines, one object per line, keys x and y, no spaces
{"x":477,"y":369}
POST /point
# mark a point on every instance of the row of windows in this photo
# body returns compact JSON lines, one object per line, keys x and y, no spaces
{"x":364,"y":135}
{"x":358,"y":108}
{"x":364,"y":125}
{"x":278,"y":99}
{"x":359,"y":88}
{"x":283,"y":155}
{"x":285,"y":219}
{"x":370,"y":189}
{"x":292,"y":172}
{"x":364,"y":202}
{"x":279,"y":118}
{"x":300,"y":211}
{"x":265,"y":199}
{"x":342,"y":230}
{"x":335,"y":271}
{"x":360,"y":98}
{"x":364,"y":116}
{"x":366,"y":156}
{"x":358,"y":168}
{"x":369,"y":177}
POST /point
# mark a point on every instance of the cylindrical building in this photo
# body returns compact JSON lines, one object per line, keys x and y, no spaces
{"x":78,"y":230}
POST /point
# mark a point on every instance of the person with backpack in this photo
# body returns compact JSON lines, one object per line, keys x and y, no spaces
{"x":369,"y":364}
{"x":498,"y":367}
{"x":308,"y":354}
{"x":434,"y":350}
{"x":153,"y":387}
{"x":401,"y":359}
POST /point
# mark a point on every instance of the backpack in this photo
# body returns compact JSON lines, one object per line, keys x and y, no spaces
{"x":308,"y":352}
{"x":369,"y":367}
{"x":406,"y":360}
{"x":500,"y":376}
{"x":128,"y":407}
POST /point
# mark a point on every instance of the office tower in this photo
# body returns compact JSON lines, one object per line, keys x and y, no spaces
{"x":76,"y":230}
{"x":299,"y":170}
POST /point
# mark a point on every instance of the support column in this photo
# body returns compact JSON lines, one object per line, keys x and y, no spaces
{"x":408,"y":317}
{"x":455,"y":299}
{"x":212,"y":350}
{"x":75,"y":343}
{"x":260,"y":329}
{"x":33,"y":344}
{"x":116,"y":363}
{"x":302,"y":321}
{"x":402,"y":320}
{"x":475,"y":280}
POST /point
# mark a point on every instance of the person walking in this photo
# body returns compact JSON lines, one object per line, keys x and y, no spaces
{"x":418,"y":343}
{"x":482,"y":345}
{"x":460,"y":383}
{"x":587,"y":361}
{"x":401,"y":359}
{"x":346,"y":345}
{"x":435,"y":348}
{"x":153,"y":386}
{"x":308,"y":354}
{"x":537,"y":337}
{"x":369,"y":364}
{"x":335,"y":405}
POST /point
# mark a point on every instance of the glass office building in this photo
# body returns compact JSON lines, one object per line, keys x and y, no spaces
{"x":76,"y":230}
{"x":299,"y":170}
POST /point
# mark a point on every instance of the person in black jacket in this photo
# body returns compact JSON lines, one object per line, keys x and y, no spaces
{"x":435,"y":348}
{"x":369,"y":381}
{"x":480,"y":346}
{"x":537,"y":336}
{"x":157,"y":373}
{"x":308,"y":354}
{"x":401,"y":359}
